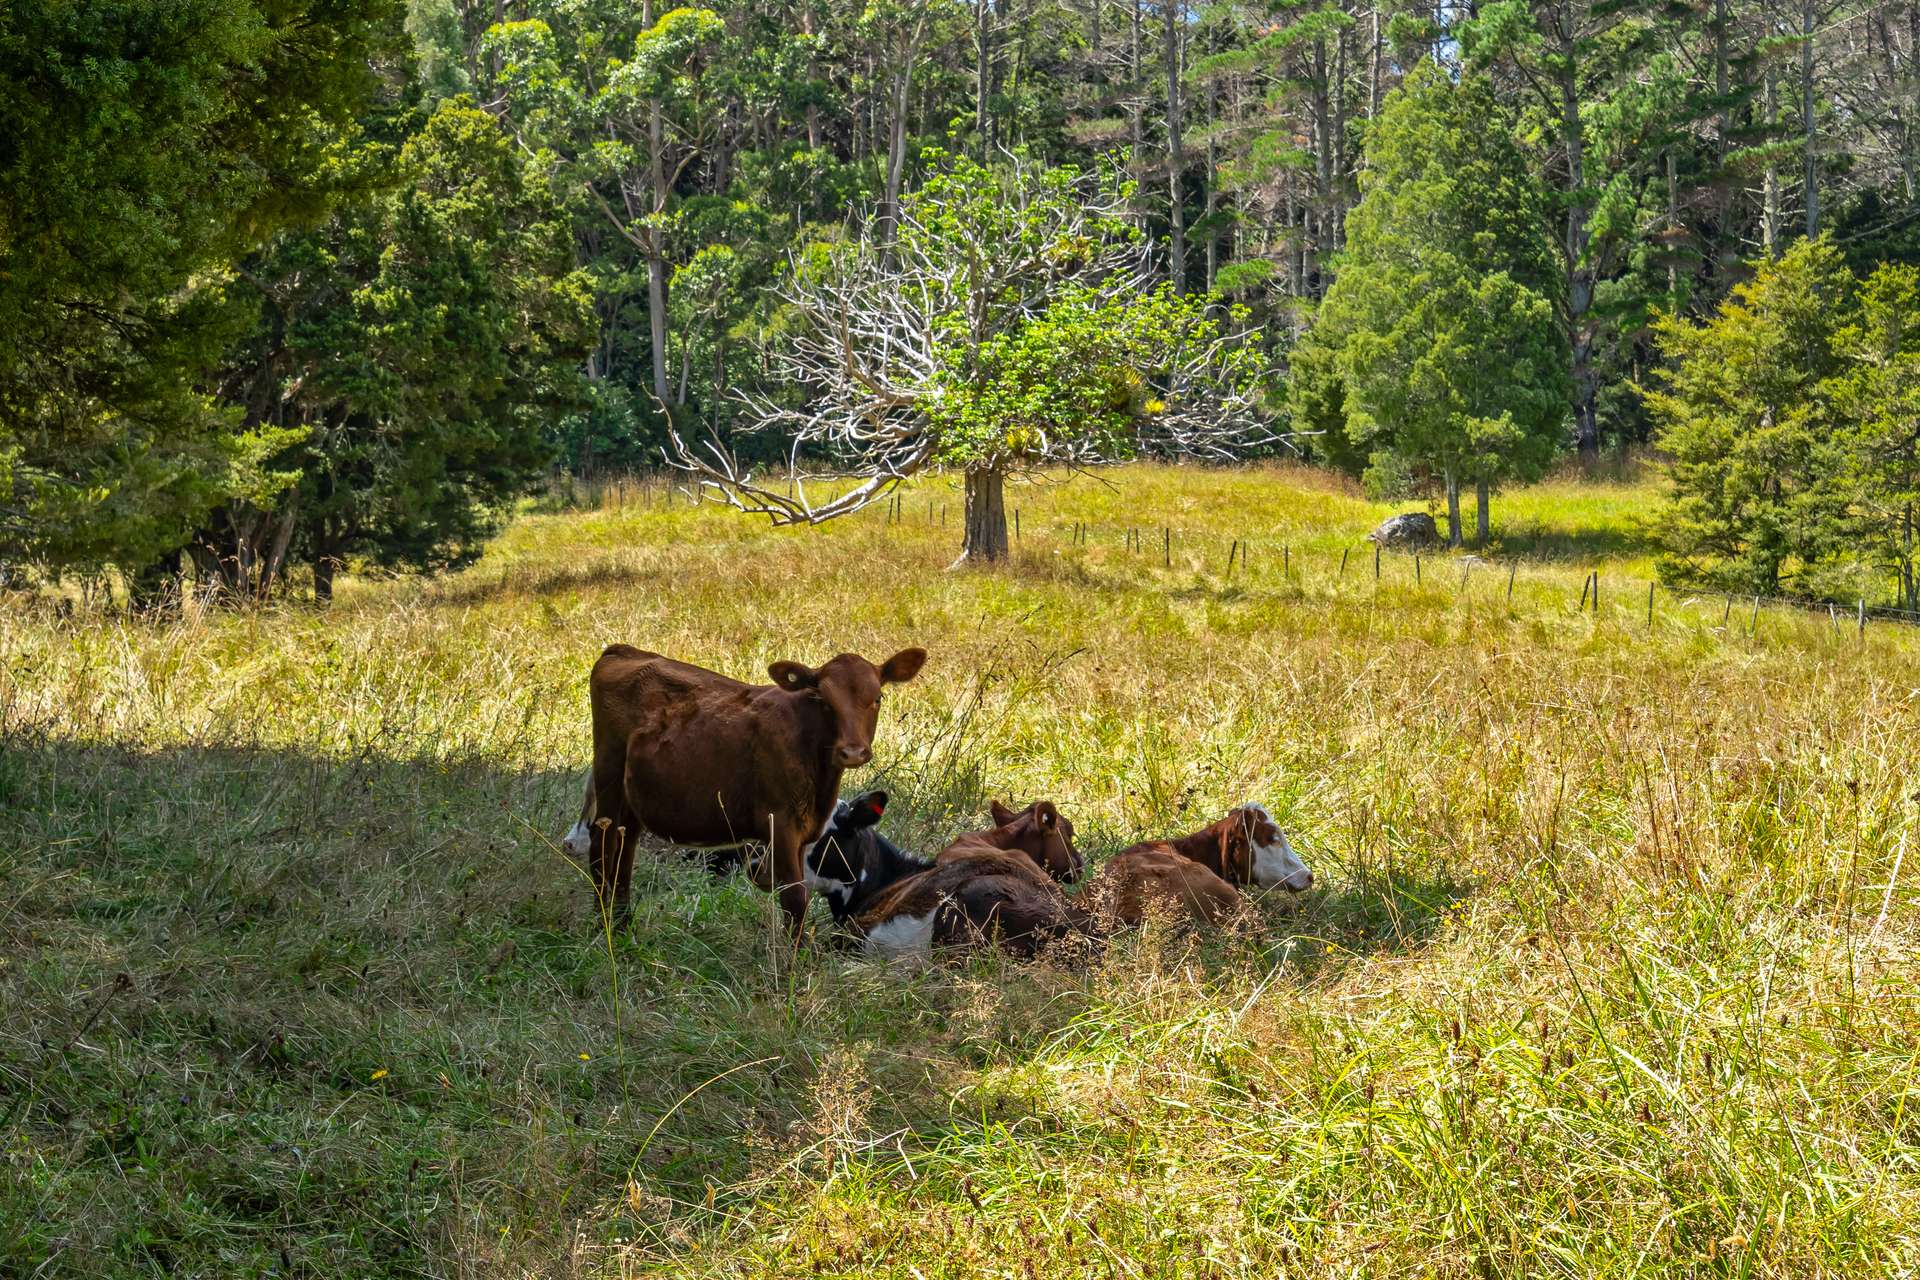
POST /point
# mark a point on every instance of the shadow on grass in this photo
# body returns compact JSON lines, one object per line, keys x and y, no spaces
{"x":271,"y":1010}
{"x":1533,"y":540}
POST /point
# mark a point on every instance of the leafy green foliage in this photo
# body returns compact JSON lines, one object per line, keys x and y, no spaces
{"x":1791,"y":418}
{"x":138,"y":149}
{"x":1439,"y":337}
{"x":424,"y":343}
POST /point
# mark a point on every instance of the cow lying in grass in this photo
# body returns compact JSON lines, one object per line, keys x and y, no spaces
{"x":851,"y":862}
{"x":996,"y":885}
{"x":1197,"y":875}
{"x":710,"y":762}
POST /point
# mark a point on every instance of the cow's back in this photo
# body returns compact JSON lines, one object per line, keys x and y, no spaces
{"x":706,"y":757}
{"x":1155,"y":871}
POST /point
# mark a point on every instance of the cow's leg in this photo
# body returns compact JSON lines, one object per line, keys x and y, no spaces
{"x":608,"y":840}
{"x":790,"y":881}
{"x":623,"y":868}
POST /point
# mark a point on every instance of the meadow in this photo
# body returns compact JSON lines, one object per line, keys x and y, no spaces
{"x":1609,"y":969}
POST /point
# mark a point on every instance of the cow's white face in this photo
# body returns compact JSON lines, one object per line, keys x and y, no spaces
{"x":1274,"y":861}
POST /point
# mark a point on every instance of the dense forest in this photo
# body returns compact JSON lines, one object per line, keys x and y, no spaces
{"x":331,"y":281}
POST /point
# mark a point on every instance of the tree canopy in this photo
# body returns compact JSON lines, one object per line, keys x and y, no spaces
{"x":1008,"y":320}
{"x":1444,"y":361}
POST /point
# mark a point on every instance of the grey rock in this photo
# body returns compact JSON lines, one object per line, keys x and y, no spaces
{"x":1409,"y":529}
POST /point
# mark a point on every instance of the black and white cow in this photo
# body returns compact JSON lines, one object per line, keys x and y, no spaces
{"x":851,"y":861}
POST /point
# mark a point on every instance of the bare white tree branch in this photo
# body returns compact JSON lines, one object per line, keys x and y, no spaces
{"x":886,"y":329}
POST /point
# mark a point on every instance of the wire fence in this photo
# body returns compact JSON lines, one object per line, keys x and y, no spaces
{"x":1233,"y":557}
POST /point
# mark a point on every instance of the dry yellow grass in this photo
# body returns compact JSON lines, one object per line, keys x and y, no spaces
{"x":1609,"y":969}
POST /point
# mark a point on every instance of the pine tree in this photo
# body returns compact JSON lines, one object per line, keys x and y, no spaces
{"x":1747,"y":414}
{"x":1442,"y":324}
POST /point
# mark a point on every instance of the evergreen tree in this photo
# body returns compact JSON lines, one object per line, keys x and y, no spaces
{"x":420,"y":347}
{"x":142,"y":148}
{"x":1441,"y":326}
{"x":1747,"y":414}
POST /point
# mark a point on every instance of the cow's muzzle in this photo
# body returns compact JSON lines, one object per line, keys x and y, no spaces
{"x":852,"y":757}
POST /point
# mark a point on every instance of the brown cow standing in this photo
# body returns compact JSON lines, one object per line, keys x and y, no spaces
{"x":700,"y":759}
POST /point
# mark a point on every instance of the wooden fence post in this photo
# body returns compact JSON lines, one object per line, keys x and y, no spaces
{"x":1585,"y":583}
{"x":1416,"y":568}
{"x":1166,"y":539}
{"x":1863,"y":617}
{"x":1649,"y":606}
{"x":1343,"y":560}
{"x":1753,"y":627}
{"x":1376,"y":562}
{"x":1511,"y":570}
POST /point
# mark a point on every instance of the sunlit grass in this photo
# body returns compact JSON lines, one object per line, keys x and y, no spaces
{"x":1608,"y":971}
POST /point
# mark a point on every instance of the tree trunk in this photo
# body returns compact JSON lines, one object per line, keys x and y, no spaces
{"x":897,"y":148}
{"x":986,"y":537}
{"x":1580,"y":270}
{"x":1454,"y":537}
{"x":1811,"y":161}
{"x":1176,"y":213}
{"x":1136,"y":123}
{"x":656,"y":256}
{"x":983,"y":71}
{"x":813,"y":109}
{"x":1770,"y":184}
{"x":1725,"y":243}
{"x":323,"y":567}
{"x":1482,"y":518}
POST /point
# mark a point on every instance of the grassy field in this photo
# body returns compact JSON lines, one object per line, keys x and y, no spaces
{"x":1609,"y":969}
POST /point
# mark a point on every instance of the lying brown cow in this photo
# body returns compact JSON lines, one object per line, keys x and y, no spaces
{"x":996,"y":884}
{"x":703,"y":760}
{"x":1037,"y":831}
{"x":1196,"y":874}
{"x":1135,"y":881}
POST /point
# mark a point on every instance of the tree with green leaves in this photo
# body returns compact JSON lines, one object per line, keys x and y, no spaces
{"x":1007,"y":324}
{"x":1791,"y":418}
{"x":417,"y":348}
{"x":142,"y":147}
{"x":1440,"y":340}
{"x":1746,"y":416}
{"x":1877,"y":397}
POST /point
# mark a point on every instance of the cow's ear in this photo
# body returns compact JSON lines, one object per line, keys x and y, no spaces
{"x":867,"y":809}
{"x":902,"y":666}
{"x":1236,"y":856}
{"x":794,"y":675}
{"x":1001,"y":814}
{"x":1048,"y":815}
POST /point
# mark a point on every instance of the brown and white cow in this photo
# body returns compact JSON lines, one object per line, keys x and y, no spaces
{"x":1134,"y":882}
{"x":1197,"y":874}
{"x":707,"y":761}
